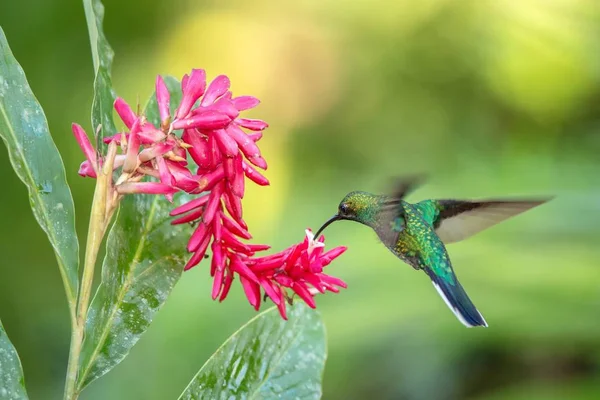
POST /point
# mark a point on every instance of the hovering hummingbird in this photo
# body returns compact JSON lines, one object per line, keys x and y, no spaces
{"x":417,"y":233}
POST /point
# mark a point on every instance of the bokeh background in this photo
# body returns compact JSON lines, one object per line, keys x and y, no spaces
{"x":491,"y":98}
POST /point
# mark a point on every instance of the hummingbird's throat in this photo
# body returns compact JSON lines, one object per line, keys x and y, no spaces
{"x":326,"y":224}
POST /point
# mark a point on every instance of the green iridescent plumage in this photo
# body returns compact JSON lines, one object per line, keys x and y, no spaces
{"x":417,"y":234}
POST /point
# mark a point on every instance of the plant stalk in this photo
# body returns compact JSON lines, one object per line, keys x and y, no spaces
{"x":101,"y":213}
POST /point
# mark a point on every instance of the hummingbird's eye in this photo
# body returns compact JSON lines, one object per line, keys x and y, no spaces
{"x":343,"y":208}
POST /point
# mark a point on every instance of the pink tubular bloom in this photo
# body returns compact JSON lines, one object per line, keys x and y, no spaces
{"x":125,"y":112}
{"x":163,"y":98}
{"x":192,"y":87}
{"x":88,"y":150}
{"x":86,"y":169}
{"x":243,"y":103}
{"x":217,"y":88}
{"x":294,"y":271}
{"x":207,"y":120}
{"x":145,"y":188}
{"x":208,"y":128}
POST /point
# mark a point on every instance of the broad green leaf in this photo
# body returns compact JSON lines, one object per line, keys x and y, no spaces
{"x":144,"y":259}
{"x":12,"y":383}
{"x":36,"y":161}
{"x":268,"y":358}
{"x":102,"y":55}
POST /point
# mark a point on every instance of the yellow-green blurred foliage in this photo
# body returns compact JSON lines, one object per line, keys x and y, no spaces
{"x":492,"y":98}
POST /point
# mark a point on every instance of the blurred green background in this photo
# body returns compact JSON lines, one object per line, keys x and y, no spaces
{"x":492,"y":98}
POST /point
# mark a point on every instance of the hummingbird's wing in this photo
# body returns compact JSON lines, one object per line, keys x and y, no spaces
{"x":457,"y":219}
{"x":401,"y":187}
{"x":390,"y":216}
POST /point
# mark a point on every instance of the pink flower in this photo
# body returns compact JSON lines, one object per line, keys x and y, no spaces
{"x":163,"y":98}
{"x":91,"y":165}
{"x":207,"y":126}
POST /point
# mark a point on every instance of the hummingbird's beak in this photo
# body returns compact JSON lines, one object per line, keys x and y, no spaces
{"x":326,"y":224}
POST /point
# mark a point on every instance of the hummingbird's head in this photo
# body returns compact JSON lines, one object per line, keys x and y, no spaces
{"x":355,"y":206}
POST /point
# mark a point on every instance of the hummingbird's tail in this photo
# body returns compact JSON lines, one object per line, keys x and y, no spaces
{"x":457,"y":300}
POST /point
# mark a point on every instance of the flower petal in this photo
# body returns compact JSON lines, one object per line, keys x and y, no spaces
{"x":245,"y":102}
{"x":226,"y":284}
{"x":86,"y":146}
{"x":86,"y":169}
{"x":133,"y":148}
{"x":233,"y":243}
{"x":125,"y":112}
{"x":145,"y":188}
{"x":163,"y":171}
{"x":237,"y":184}
{"x":227,"y":145}
{"x":190,"y":205}
{"x":268,"y":265}
{"x":333,"y":280}
{"x":258,"y":161}
{"x":198,"y":255}
{"x":207,"y":120}
{"x":193,"y":89}
{"x":213,"y":204}
{"x":222,"y":105}
{"x":159,"y":149}
{"x":282,"y":310}
{"x":201,"y":232}
{"x":184,"y":82}
{"x":234,"y":227}
{"x":252,"y":124}
{"x":192,"y":216}
{"x":274,"y":294}
{"x":248,"y":286}
{"x":246,"y":144}
{"x":234,"y":206}
{"x":259,"y":247}
{"x":217,"y":282}
{"x":332,"y":254}
{"x":199,"y":150}
{"x":256,"y":136}
{"x":229,"y":168}
{"x":217,"y":88}
{"x":163,"y":98}
{"x":314,"y":281}
{"x":214,"y":152}
{"x":304,"y":294}
{"x":208,"y":181}
{"x":254,"y":175}
{"x":241,"y":268}
{"x":150,"y":135}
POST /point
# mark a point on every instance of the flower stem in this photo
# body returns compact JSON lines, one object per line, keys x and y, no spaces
{"x":102,"y":210}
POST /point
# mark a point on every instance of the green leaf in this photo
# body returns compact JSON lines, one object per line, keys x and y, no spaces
{"x":12,"y":383}
{"x":36,"y":161}
{"x":268,"y":358}
{"x":144,"y":259}
{"x":102,"y":55}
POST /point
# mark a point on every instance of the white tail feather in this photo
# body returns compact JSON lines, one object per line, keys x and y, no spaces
{"x":454,"y":310}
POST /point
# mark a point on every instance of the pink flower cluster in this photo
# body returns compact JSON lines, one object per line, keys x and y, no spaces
{"x":224,"y":154}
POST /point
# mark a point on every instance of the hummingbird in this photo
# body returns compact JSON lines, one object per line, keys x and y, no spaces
{"x":418,"y":233}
